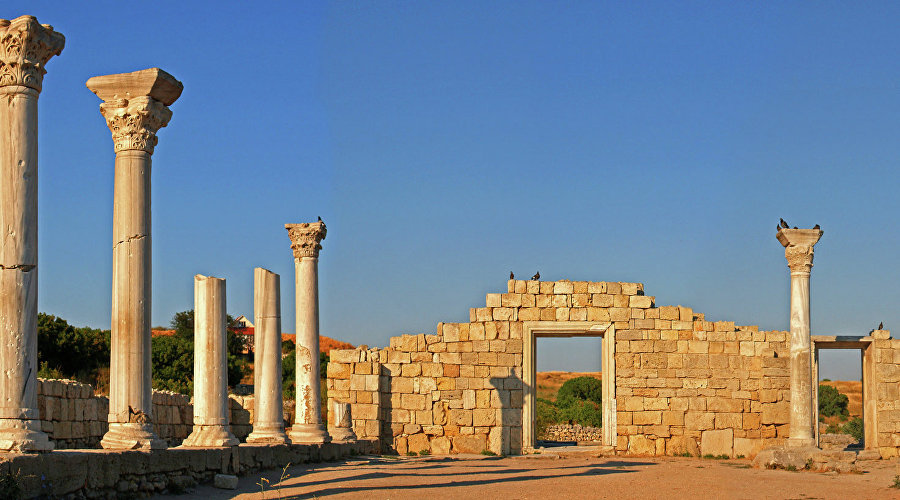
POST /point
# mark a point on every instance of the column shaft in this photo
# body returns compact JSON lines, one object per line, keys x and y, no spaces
{"x":19,"y":421}
{"x":801,"y":360}
{"x":268,"y":415}
{"x":211,"y":419}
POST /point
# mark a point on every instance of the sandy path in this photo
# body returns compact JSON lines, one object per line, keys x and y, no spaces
{"x":539,"y":478}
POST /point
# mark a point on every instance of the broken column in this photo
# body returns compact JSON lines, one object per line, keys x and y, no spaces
{"x":340,"y":424}
{"x":25,"y":48}
{"x":305,"y":243}
{"x":798,"y":249}
{"x":135,"y":107}
{"x":211,"y":422}
{"x":268,"y":413}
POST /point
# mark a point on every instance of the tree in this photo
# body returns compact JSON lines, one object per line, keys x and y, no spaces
{"x":580,"y":388}
{"x":831,"y":402}
{"x":71,"y":352}
{"x":173,"y":356}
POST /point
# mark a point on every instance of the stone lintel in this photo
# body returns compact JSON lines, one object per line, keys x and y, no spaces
{"x":154,"y":83}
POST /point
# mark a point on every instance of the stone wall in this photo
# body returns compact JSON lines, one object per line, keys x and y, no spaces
{"x":572,"y":432}
{"x":138,"y":474}
{"x":683,"y":384}
{"x":887,"y":393}
{"x":75,"y":418}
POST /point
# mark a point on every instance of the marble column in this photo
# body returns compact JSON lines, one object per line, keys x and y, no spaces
{"x":268,"y":413}
{"x":306,"y":242}
{"x":340,"y":423}
{"x":135,"y":107}
{"x":211,"y":422}
{"x":798,"y":249}
{"x":25,"y":48}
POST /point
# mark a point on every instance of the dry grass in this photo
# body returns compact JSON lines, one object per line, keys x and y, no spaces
{"x":853,"y":390}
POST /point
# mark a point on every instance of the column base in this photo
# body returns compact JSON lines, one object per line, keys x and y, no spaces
{"x":210,"y":436}
{"x":800,"y":442}
{"x":132,"y":436}
{"x":23,"y":436}
{"x":265,"y":436}
{"x":309,"y":434}
{"x":342,"y":435}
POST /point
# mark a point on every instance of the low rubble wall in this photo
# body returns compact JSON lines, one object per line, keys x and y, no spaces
{"x":572,"y":432}
{"x":111,"y":473}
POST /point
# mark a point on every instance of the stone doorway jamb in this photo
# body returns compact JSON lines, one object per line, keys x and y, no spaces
{"x":531,"y":330}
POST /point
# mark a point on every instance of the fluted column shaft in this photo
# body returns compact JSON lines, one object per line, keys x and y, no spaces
{"x":268,"y":414}
{"x":211,"y":419}
{"x":25,"y":46}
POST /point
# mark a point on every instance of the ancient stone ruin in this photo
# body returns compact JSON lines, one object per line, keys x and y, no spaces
{"x":673,"y":383}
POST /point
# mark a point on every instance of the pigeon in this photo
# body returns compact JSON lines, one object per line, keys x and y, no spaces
{"x":536,"y":276}
{"x":881,"y":326}
{"x":784,"y":224}
{"x":320,"y":219}
{"x":512,"y":276}
{"x":795,"y":227}
{"x":817,"y":227}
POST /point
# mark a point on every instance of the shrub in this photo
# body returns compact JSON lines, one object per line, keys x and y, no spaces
{"x":582,"y":412}
{"x":854,"y":428}
{"x":831,"y":402}
{"x":580,"y":388}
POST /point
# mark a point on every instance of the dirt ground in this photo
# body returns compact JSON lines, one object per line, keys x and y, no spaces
{"x":540,"y":478}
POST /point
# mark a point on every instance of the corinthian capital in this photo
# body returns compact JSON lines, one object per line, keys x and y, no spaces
{"x":136,"y":106}
{"x":25,"y":47}
{"x":306,"y":238}
{"x":799,"y":247}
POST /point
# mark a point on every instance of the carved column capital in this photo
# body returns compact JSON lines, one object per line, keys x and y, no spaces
{"x":306,"y":238}
{"x":25,"y":47}
{"x":136,"y":106}
{"x":134,"y":122}
{"x":799,"y":247}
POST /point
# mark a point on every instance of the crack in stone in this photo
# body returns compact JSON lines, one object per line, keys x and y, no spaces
{"x":22,"y":267}
{"x":129,"y":239}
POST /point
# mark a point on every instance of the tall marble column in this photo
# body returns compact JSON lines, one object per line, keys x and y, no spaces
{"x":25,"y":47}
{"x":211,"y":422}
{"x":305,"y":242}
{"x":268,"y":413}
{"x":798,"y":249}
{"x":135,"y":107}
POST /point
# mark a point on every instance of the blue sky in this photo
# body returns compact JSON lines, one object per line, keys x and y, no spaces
{"x":448,"y":143}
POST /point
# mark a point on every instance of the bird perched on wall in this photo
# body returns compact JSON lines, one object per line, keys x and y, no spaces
{"x":536,"y":276}
{"x":512,"y":276}
{"x":320,"y":219}
{"x":817,"y":227}
{"x":881,"y":326}
{"x":784,"y":224}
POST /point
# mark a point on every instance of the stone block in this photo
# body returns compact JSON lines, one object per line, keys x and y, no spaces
{"x":681,"y":445}
{"x":717,"y":442}
{"x":641,"y":445}
{"x":640,"y":301}
{"x":471,"y":444}
{"x":225,"y":481}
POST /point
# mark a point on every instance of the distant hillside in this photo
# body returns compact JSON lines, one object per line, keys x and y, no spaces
{"x":548,"y":383}
{"x":326,"y":344}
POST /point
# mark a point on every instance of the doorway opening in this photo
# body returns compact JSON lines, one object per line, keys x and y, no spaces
{"x":844,"y":407}
{"x":534,"y":330}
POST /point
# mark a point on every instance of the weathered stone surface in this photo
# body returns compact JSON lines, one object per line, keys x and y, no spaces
{"x":717,"y":442}
{"x":469,"y":444}
{"x":682,"y":445}
{"x":225,"y":481}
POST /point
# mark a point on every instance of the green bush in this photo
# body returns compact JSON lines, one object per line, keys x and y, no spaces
{"x":831,"y":402}
{"x":854,"y":428}
{"x":579,"y":388}
{"x":582,"y":412}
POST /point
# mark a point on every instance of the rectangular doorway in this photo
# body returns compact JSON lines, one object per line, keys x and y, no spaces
{"x":838,"y":359}
{"x":532,"y":330}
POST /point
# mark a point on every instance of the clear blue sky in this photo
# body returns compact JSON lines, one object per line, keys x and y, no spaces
{"x":447,"y":143}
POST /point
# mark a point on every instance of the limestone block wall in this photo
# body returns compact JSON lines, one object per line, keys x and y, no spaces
{"x":887,"y":394}
{"x":75,"y":418}
{"x":682,"y":383}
